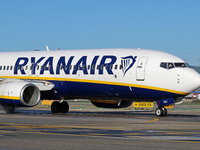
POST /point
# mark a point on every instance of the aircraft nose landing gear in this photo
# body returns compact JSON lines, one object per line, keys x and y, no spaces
{"x":161,"y":110}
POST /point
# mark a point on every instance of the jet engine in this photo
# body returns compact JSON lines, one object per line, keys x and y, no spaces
{"x":111,"y":103}
{"x":19,"y":93}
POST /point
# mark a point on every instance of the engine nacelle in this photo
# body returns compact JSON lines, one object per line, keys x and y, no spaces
{"x":111,"y":103}
{"x":19,"y":93}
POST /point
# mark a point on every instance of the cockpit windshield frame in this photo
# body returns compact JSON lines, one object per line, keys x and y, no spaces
{"x":180,"y":65}
{"x":171,"y":65}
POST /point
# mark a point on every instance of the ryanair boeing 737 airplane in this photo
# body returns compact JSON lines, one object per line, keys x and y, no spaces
{"x":103,"y":76}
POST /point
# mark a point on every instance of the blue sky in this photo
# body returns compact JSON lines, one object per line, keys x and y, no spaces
{"x":168,"y":25}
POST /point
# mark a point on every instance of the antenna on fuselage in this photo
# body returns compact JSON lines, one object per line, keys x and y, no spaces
{"x":47,"y":48}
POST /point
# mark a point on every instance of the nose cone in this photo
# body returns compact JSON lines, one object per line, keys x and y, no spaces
{"x":199,"y":81}
{"x":193,"y":80}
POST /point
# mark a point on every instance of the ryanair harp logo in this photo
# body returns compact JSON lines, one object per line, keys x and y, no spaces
{"x":127,"y":63}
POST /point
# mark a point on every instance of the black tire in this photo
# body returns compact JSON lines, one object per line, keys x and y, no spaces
{"x":64,"y":107}
{"x":55,"y":107}
{"x":164,"y":112}
{"x":159,"y":112}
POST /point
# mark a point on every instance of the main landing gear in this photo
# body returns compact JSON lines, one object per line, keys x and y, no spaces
{"x":57,"y":107}
{"x":161,"y":111}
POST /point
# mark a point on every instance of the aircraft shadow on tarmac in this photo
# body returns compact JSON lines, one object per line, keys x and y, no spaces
{"x":112,"y":113}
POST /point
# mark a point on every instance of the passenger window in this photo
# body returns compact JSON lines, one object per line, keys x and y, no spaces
{"x":0,"y":67}
{"x":88,"y":67}
{"x":7,"y":67}
{"x":57,"y":67}
{"x":93,"y":67}
{"x":115,"y":67}
{"x":107,"y":67}
{"x":170,"y":65}
{"x":120,"y":67}
{"x":11,"y":67}
{"x":102,"y":67}
{"x":111,"y":66}
{"x":66,"y":67}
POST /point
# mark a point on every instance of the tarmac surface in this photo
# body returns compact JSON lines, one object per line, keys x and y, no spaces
{"x":100,"y":129}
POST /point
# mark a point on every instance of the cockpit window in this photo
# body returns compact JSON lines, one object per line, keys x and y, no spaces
{"x":170,"y":65}
{"x":163,"y":65}
{"x":188,"y":65}
{"x":180,"y":65}
{"x":167,"y":65}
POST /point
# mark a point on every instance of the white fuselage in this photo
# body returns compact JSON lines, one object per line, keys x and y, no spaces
{"x":104,"y":73}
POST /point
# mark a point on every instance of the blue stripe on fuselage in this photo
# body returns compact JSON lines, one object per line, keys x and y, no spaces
{"x":70,"y":89}
{"x":10,"y":102}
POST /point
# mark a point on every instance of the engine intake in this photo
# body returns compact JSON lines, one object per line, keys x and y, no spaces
{"x":30,"y":95}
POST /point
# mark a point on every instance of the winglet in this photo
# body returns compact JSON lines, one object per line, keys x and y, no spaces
{"x":47,"y":48}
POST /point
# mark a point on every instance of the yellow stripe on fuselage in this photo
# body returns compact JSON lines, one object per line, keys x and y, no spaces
{"x":9,"y":97}
{"x":95,"y":81}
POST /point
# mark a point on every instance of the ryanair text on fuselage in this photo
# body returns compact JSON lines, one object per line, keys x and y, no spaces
{"x":48,"y":63}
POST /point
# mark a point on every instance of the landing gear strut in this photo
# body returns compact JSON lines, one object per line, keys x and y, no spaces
{"x":57,"y":107}
{"x":161,"y":111}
